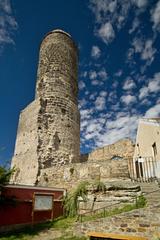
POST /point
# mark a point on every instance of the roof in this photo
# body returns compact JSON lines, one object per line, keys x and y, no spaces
{"x":34,"y":187}
{"x":61,"y":32}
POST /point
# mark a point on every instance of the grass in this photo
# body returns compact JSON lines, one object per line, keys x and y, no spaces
{"x":69,"y":237}
{"x":26,"y":233}
{"x":140,"y":203}
{"x":29,"y":232}
{"x":62,"y":223}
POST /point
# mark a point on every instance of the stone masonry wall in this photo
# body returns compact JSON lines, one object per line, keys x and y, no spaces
{"x":108,"y":162}
{"x":141,"y":222}
{"x":49,"y":134}
{"x":121,"y":149}
{"x":68,"y":176}
{"x":25,"y":157}
{"x":57,"y":88}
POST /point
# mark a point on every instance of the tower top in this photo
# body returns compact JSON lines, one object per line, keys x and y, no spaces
{"x":58,"y":31}
{"x":61,"y":31}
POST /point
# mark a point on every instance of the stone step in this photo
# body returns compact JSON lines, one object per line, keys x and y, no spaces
{"x":151,"y":192}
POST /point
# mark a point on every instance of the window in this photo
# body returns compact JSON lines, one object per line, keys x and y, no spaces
{"x":154,"y":147}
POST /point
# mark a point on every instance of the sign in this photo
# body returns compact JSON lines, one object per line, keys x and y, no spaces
{"x":43,"y":202}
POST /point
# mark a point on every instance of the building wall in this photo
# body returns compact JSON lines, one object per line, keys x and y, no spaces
{"x":25,"y":158}
{"x":57,"y":87}
{"x":109,"y":162}
{"x":147,"y":150}
{"x":20,"y":210}
{"x":121,"y":149}
{"x":70,"y":175}
{"x":148,"y":133}
{"x":49,"y":128}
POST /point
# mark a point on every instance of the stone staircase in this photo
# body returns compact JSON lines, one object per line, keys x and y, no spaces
{"x":154,"y":197}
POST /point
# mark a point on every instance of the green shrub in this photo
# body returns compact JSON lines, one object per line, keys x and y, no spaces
{"x":141,"y":201}
{"x":71,"y":201}
{"x":99,"y":186}
{"x":5,"y":175}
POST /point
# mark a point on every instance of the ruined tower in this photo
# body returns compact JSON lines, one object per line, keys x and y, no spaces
{"x":49,"y":128}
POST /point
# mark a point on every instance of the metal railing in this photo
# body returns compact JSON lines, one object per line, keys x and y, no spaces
{"x":103,"y":210}
{"x":143,"y":169}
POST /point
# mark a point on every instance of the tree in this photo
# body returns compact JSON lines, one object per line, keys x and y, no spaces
{"x":5,"y":175}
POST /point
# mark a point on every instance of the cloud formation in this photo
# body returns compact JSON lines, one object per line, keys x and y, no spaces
{"x":8,"y":24}
{"x":95,"y":52}
{"x":111,"y":16}
{"x":106,"y":32}
{"x":155,"y":16}
{"x":124,"y":86}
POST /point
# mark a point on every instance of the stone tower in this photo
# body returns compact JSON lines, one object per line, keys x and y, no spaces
{"x":49,"y":128}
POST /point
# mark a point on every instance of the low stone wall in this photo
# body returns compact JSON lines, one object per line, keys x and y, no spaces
{"x":141,"y":222}
{"x":116,"y":194}
{"x":121,"y":149}
{"x":69,"y":175}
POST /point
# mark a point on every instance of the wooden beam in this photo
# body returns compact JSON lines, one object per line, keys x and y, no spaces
{"x":115,"y":236}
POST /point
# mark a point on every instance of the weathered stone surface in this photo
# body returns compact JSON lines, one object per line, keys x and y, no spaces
{"x":145,"y":224}
{"x":68,"y":176}
{"x":48,"y":137}
{"x":121,"y":149}
{"x":25,"y":156}
{"x":53,"y":117}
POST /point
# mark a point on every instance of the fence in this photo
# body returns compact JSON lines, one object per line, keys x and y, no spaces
{"x":144,"y":169}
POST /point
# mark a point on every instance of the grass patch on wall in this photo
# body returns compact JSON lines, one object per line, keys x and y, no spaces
{"x":140,"y":203}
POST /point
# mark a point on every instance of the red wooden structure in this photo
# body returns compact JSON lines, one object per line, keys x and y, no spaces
{"x":18,"y":207}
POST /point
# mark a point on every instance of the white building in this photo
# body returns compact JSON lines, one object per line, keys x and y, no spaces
{"x":146,"y":160}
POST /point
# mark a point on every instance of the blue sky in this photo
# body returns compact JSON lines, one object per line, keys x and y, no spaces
{"x":119,"y":63}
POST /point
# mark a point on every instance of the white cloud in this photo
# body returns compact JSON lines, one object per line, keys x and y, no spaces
{"x":154,"y":84}
{"x":130,"y":54}
{"x":95,"y":82}
{"x":8,"y":23}
{"x":129,"y":84}
{"x":102,"y":8}
{"x":135,"y":25}
{"x":152,"y":87}
{"x":140,"y":3}
{"x":119,"y":73}
{"x":82,"y":103}
{"x":145,"y":49}
{"x":5,"y":6}
{"x":95,"y":52}
{"x":111,"y":16}
{"x":120,"y":128}
{"x":93,"y":96}
{"x":103,"y":130}
{"x":138,"y":45}
{"x":153,"y":111}
{"x":148,"y":51}
{"x":155,"y":16}
{"x":143,"y":92}
{"x":128,"y":99}
{"x":102,"y":74}
{"x":106,"y":32}
{"x":103,"y":93}
{"x":98,"y":77}
{"x":81,"y":85}
{"x":92,"y":74}
{"x":84,"y":74}
{"x":100,"y":103}
{"x":86,"y":114}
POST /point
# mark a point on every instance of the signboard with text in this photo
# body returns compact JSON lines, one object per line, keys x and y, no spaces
{"x":42,"y":202}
